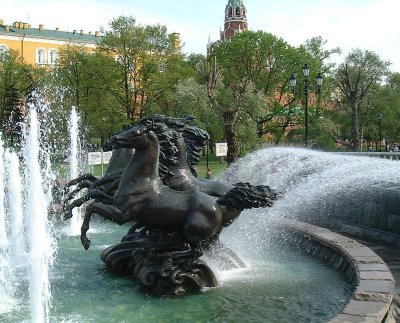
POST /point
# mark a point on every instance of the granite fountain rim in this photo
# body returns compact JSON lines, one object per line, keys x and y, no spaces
{"x":373,"y":295}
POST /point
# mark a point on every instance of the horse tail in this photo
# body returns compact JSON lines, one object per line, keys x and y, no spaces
{"x":245,"y":196}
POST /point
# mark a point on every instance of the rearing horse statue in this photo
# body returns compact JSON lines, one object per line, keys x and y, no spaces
{"x":163,"y":255}
{"x":141,"y":195}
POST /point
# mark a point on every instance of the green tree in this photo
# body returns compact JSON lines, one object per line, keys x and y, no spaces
{"x":258,"y":65}
{"x":69,"y":74}
{"x":356,"y":79}
{"x":142,"y":53}
{"x":191,"y":99}
{"x":17,"y":80}
{"x":231,"y":74}
{"x":83,"y":79}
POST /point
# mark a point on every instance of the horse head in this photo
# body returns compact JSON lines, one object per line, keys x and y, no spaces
{"x":141,"y":136}
{"x":134,"y":137}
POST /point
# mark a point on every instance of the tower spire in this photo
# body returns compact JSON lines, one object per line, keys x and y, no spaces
{"x":235,"y":19}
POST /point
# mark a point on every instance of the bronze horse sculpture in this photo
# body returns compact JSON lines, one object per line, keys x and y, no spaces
{"x":141,"y":196}
{"x":181,"y":176}
{"x":120,"y":159}
{"x":173,"y":224}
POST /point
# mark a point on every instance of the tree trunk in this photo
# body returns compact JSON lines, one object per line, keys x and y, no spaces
{"x":230,"y":135}
{"x":355,"y":137}
{"x":232,"y":144}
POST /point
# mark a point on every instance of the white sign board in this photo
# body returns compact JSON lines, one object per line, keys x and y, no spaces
{"x":221,"y":149}
{"x":96,"y":157}
{"x":107,"y":157}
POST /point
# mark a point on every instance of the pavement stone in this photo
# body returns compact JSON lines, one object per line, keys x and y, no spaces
{"x":375,"y":286}
{"x":344,"y":318}
{"x":382,"y":275}
{"x":372,"y":267}
{"x":390,"y":255}
{"x":363,"y":308}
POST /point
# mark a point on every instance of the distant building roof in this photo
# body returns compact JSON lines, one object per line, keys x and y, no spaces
{"x":21,"y":28}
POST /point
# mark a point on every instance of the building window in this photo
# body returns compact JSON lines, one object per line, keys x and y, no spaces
{"x":237,"y":12}
{"x":3,"y":48}
{"x":53,"y":56}
{"x":230,"y":12}
{"x":40,"y":56}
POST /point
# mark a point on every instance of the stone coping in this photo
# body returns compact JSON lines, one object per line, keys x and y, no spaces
{"x":373,"y":295}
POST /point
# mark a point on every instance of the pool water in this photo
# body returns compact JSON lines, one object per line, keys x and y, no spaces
{"x":283,"y":287}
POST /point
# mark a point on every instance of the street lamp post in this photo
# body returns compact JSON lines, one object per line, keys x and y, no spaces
{"x":380,"y":117}
{"x":306,"y":73}
{"x":208,"y":145}
{"x":292,"y":83}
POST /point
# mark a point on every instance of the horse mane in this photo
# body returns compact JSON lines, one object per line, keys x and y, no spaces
{"x":246,"y":196}
{"x":195,"y":140}
{"x":194,"y":137}
{"x":168,"y":149}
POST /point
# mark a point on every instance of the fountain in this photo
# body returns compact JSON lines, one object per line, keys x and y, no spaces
{"x":16,"y":212}
{"x":28,"y":243}
{"x":276,"y":282}
{"x":74,"y":157}
{"x":6,"y":286}
{"x":162,"y":249}
{"x":41,"y":243}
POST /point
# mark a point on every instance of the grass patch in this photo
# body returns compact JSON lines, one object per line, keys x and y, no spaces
{"x":217,"y":167}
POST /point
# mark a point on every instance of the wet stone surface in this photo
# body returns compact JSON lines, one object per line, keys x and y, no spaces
{"x":375,"y":289}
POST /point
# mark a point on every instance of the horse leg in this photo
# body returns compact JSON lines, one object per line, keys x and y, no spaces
{"x":114,"y":185}
{"x":201,"y":225}
{"x":110,"y":190}
{"x":78,"y":202}
{"x":100,"y":196}
{"x":109,"y":212}
{"x":75,"y":181}
{"x":107,"y":179}
{"x":93,"y":194}
{"x":93,"y":185}
{"x":80,"y":186}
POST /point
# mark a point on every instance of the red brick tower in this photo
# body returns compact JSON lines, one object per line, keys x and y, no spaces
{"x":235,"y":19}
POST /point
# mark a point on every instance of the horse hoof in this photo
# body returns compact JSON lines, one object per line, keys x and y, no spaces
{"x":67,"y":215}
{"x":86,"y":243}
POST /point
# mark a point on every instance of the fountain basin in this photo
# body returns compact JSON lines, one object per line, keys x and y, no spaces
{"x":374,"y":293}
{"x":282,"y":289}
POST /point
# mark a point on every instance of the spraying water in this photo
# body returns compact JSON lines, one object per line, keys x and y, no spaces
{"x":15,"y":208}
{"x":6,"y":286}
{"x":314,"y":186}
{"x":73,"y":128}
{"x":3,"y":233}
{"x":41,"y":243}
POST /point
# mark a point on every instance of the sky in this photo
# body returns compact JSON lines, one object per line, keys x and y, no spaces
{"x":365,"y":24}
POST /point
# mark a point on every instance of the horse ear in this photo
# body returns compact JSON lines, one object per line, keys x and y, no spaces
{"x":187,"y":118}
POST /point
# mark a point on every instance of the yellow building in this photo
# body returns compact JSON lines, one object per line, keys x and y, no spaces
{"x":40,"y":46}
